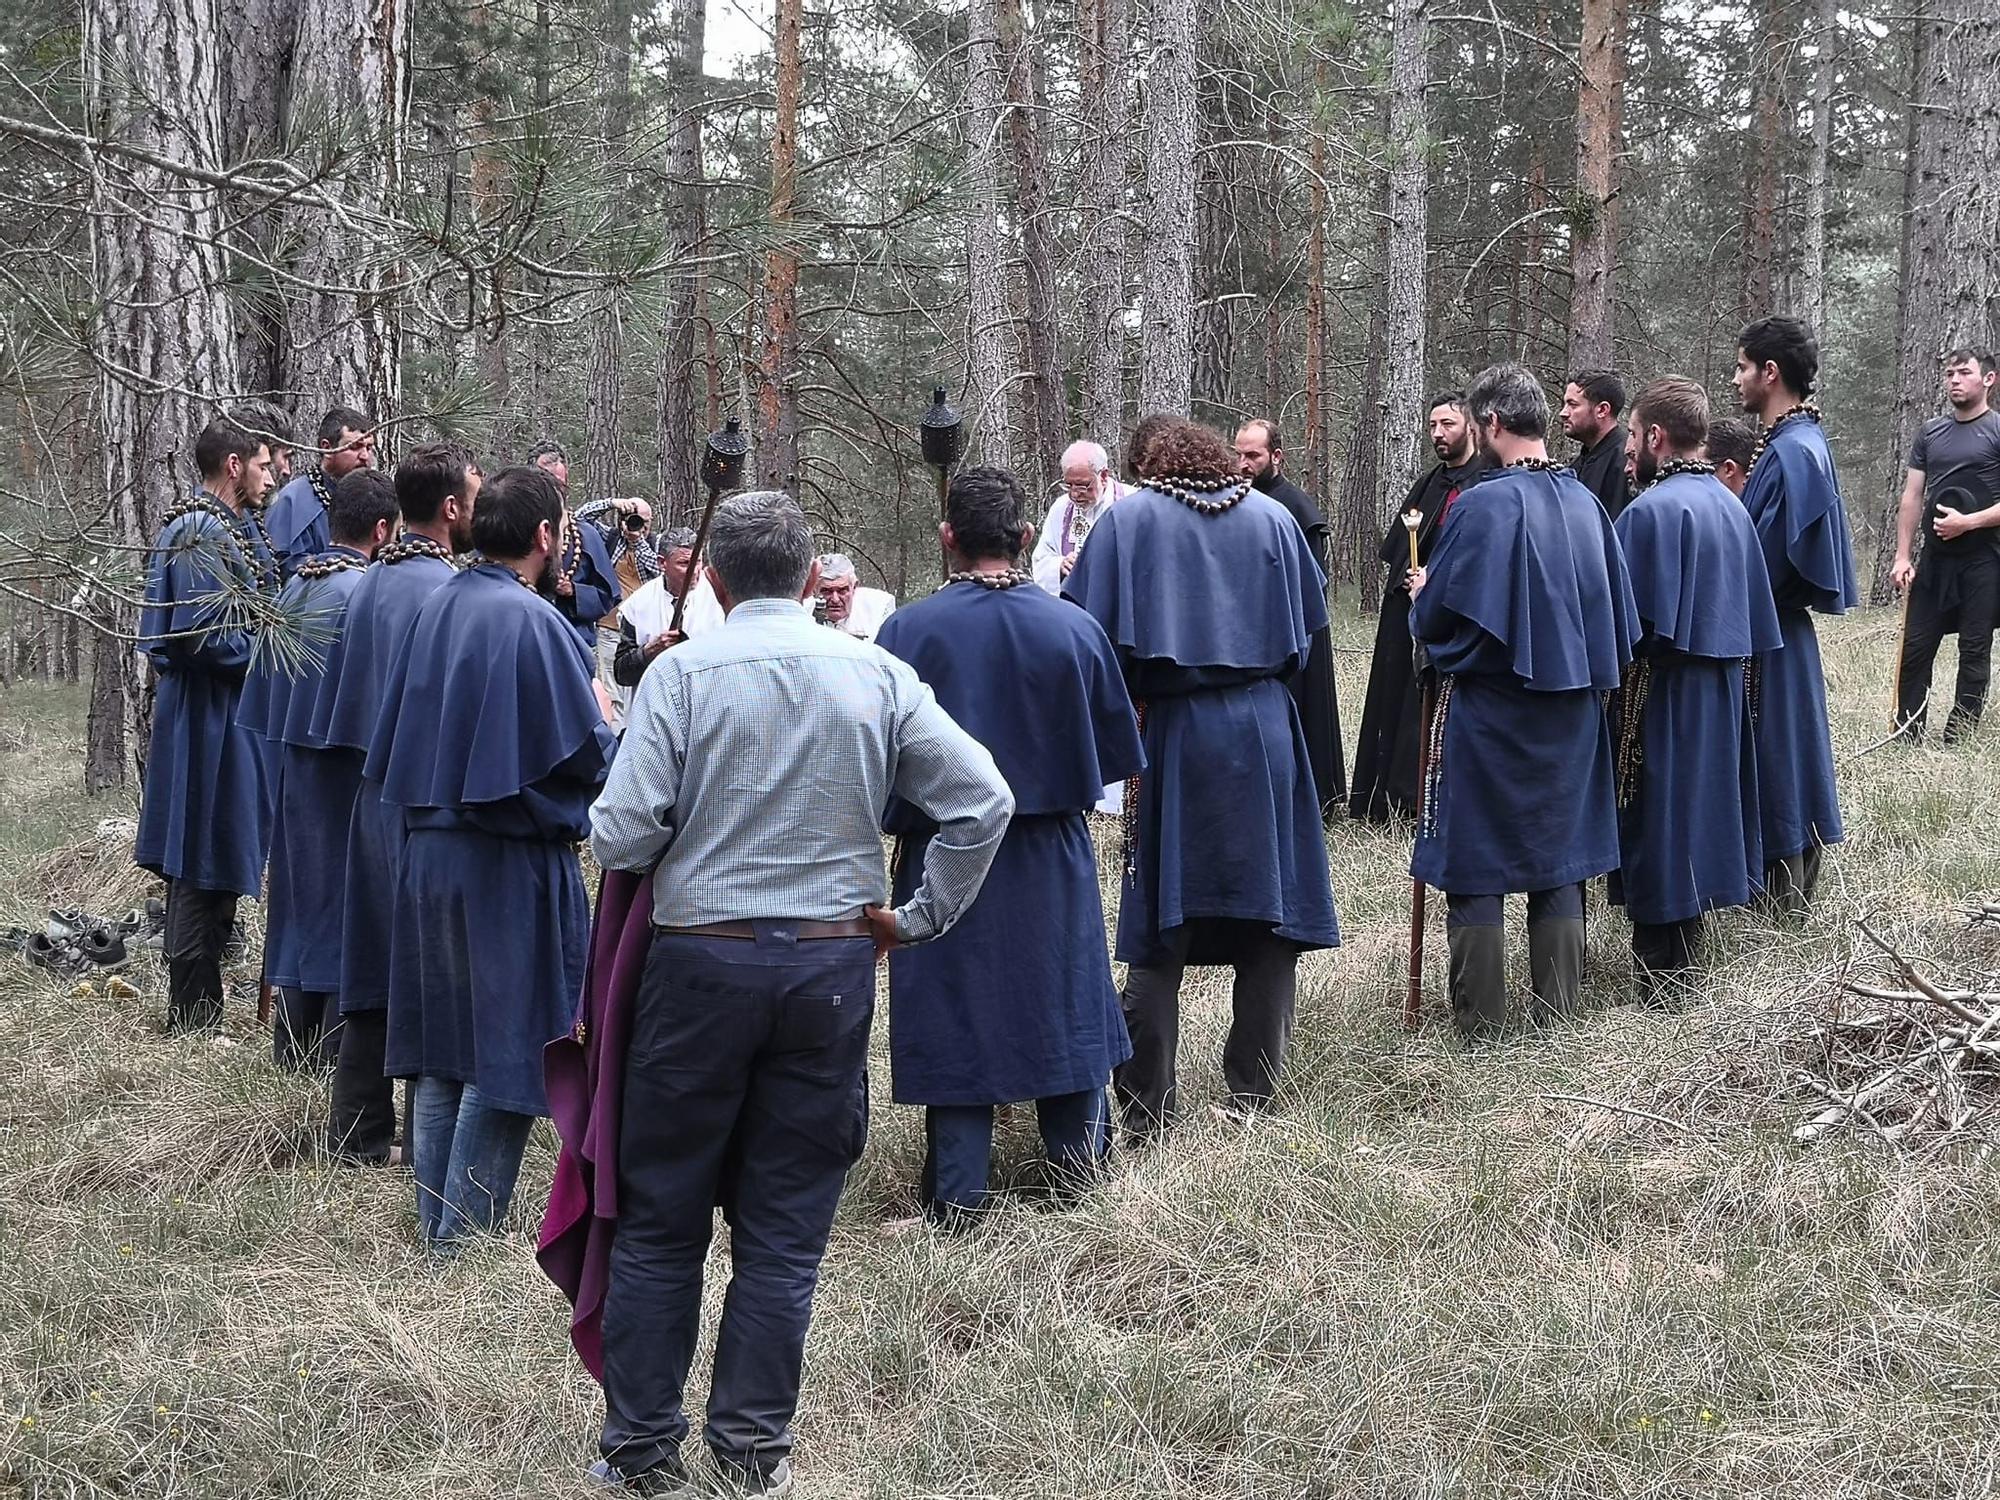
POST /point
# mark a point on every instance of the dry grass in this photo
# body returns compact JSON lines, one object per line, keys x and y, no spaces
{"x":1436,"y":1274}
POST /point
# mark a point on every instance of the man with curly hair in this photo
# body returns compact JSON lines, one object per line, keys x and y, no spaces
{"x":1224,"y":859}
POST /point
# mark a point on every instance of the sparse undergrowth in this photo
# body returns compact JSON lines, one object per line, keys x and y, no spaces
{"x":1434,"y":1274}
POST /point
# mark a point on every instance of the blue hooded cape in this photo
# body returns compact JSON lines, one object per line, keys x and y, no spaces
{"x":1209,"y":616}
{"x":1528,"y":610}
{"x":297,"y":523}
{"x":205,"y":816}
{"x":492,"y":744}
{"x":1793,"y":497}
{"x":314,"y":795}
{"x":1016,"y":1001}
{"x":380,"y":612}
{"x":1690,"y":831}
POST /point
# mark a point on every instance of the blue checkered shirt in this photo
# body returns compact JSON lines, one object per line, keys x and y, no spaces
{"x":757,"y":762}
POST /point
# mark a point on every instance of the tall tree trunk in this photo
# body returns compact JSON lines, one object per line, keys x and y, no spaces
{"x":1920,"y":289}
{"x":254,"y":88}
{"x":346,"y":114}
{"x":1594,"y":238}
{"x":1166,"y":373}
{"x":1406,"y":295}
{"x":989,"y":335}
{"x":1970,"y":41}
{"x":1318,"y":426}
{"x":1106,"y":163}
{"x":1765,"y":167}
{"x":678,"y":456}
{"x":778,"y":368}
{"x":163,"y":340}
{"x":1812,"y":227}
{"x":606,"y":363}
{"x":1046,"y":404}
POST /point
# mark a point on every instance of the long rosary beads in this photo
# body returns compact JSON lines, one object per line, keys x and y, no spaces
{"x":1193,"y":491}
{"x":1012,"y":578}
{"x":1807,"y":409}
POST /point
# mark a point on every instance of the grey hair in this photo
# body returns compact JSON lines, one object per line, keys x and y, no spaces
{"x":836,"y":565}
{"x":1509,"y":393}
{"x":1084,"y":451}
{"x":761,"y":545}
{"x":674,"y":538}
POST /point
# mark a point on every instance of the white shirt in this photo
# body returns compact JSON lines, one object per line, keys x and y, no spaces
{"x":650,"y":610}
{"x":1055,"y":543}
{"x":867,"y":609}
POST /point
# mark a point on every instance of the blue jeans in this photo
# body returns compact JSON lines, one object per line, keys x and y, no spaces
{"x":958,"y":1148}
{"x":465,"y":1155}
{"x":746,"y":1087}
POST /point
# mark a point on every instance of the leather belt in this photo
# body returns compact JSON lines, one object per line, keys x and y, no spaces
{"x":847,"y":927}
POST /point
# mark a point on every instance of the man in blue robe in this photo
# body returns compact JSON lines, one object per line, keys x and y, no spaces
{"x":1527,"y":616}
{"x":1210,"y":596}
{"x":204,"y":820}
{"x":297,"y":519}
{"x":287,"y":703}
{"x":1793,"y":496}
{"x":492,"y":744}
{"x":436,"y":489}
{"x":583,"y":584}
{"x":1017,"y":1001}
{"x":1687,"y":765}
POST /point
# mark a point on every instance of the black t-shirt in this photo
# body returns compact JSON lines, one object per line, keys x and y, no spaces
{"x":1963,"y":457}
{"x":1601,"y":470}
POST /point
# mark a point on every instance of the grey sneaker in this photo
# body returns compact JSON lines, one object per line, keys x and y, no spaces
{"x":669,"y":1480}
{"x":772,"y":1482}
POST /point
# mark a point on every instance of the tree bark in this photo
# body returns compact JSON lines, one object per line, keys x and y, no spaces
{"x":346,"y":114}
{"x":606,"y":362}
{"x":678,"y":443}
{"x":254,"y":89}
{"x":1106,"y":163}
{"x":1594,"y":236}
{"x":163,"y":341}
{"x":1819,"y":164}
{"x":1760,"y":230}
{"x":1406,"y":291}
{"x":778,"y":367}
{"x":1046,"y":405}
{"x":989,"y":334}
{"x":1166,"y":373}
{"x":1970,"y":41}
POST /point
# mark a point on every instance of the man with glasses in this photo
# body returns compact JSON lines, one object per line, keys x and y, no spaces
{"x":1089,"y":488}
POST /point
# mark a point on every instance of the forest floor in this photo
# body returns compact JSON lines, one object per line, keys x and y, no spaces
{"x":1433,"y":1273}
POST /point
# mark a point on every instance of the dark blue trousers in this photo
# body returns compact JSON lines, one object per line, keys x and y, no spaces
{"x":746,"y":1087}
{"x":958,"y":1147}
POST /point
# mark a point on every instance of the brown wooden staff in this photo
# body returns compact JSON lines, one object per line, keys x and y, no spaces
{"x":721,"y":469}
{"x":1413,"y":1002}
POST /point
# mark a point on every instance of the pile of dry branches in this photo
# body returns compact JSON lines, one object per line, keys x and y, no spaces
{"x":1917,"y":1062}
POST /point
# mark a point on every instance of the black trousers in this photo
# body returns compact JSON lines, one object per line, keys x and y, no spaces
{"x":305,"y":1030}
{"x":361,"y":1120}
{"x":1475,"y":933}
{"x":746,"y":1086}
{"x":1262,"y":1000}
{"x":1664,"y":956}
{"x":197,"y":930}
{"x":1966,"y":602}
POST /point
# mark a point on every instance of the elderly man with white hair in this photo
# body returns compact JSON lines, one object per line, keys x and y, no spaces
{"x":845,"y":604}
{"x":1089,"y":487}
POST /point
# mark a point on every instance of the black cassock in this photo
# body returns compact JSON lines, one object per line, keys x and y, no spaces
{"x":1385,"y":755}
{"x":1313,"y":688}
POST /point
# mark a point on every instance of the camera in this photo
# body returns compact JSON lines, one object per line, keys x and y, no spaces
{"x":635,"y":522}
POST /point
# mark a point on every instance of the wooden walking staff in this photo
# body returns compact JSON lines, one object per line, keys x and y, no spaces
{"x":942,"y":432}
{"x":1413,"y":1002}
{"x":721,"y":470}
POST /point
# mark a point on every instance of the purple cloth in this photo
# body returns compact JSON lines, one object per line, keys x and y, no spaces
{"x":585,"y":1074}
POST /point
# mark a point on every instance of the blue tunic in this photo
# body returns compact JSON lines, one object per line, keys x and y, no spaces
{"x":492,"y":745}
{"x":296,"y":520}
{"x":205,"y":815}
{"x":1793,"y":497}
{"x":594,"y":584}
{"x":1017,"y":1000}
{"x":1689,"y":829}
{"x":1528,"y":613}
{"x":1210,"y":616}
{"x":315,"y":789}
{"x":379,"y":616}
